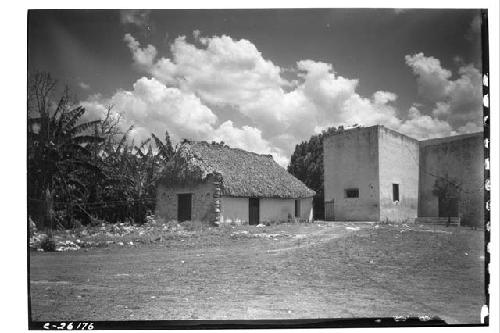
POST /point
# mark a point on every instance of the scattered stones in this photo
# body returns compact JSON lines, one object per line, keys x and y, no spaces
{"x":239,"y":233}
{"x":62,"y":246}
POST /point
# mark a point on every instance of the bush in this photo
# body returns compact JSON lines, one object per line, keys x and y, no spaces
{"x":32,"y":227}
{"x":48,"y":244}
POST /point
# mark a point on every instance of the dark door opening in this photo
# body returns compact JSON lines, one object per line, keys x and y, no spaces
{"x":448,"y":207}
{"x":297,"y":208}
{"x":253,"y":211}
{"x":329,"y":211}
{"x":184,"y":207}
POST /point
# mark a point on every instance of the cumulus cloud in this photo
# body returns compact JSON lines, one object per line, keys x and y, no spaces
{"x":432,"y":79}
{"x":152,"y":107}
{"x":470,"y":127}
{"x":185,"y":91}
{"x":83,"y":85}
{"x":143,"y":57}
{"x":401,"y":10}
{"x":224,"y":71}
{"x":138,"y":17}
{"x":457,"y":101}
{"x":474,"y":31}
{"x":420,"y":126}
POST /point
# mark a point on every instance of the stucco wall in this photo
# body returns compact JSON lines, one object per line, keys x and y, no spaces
{"x":306,"y":209}
{"x":202,"y":201}
{"x":235,"y":209}
{"x":461,"y":157}
{"x":276,"y":209}
{"x":398,"y":164}
{"x":351,"y":161}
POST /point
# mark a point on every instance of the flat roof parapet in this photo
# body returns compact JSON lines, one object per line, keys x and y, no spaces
{"x":426,"y":142}
{"x":371,"y":128}
{"x":438,"y":141}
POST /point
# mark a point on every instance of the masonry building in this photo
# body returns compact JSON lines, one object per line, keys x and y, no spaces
{"x":377,"y":174}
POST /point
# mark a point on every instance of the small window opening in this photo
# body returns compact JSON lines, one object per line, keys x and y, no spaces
{"x":297,"y":208}
{"x":395,"y":192}
{"x":352,"y":193}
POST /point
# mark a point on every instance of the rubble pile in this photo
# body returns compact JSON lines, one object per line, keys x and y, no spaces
{"x":247,"y":234}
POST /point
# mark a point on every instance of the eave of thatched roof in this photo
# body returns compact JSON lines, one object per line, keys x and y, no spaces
{"x":242,"y":173}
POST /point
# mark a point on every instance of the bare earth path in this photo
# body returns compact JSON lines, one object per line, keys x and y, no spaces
{"x":316,"y":271}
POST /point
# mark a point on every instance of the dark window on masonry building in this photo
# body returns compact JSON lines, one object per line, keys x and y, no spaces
{"x":395,"y":192}
{"x":352,"y":192}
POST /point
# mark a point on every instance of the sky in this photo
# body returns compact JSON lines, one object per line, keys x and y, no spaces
{"x":265,"y":80}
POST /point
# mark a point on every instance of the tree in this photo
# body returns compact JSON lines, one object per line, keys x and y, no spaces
{"x":59,"y":160}
{"x":132,"y":170}
{"x":447,"y":189}
{"x":306,"y":163}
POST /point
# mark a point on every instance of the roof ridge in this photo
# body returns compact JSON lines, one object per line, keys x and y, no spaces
{"x":225,"y":146}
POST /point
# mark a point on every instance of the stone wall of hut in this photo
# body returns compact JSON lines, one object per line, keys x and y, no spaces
{"x":203,"y":201}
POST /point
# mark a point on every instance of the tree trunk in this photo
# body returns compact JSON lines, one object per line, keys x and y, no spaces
{"x":48,"y":222}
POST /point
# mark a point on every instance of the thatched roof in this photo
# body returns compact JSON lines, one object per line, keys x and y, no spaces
{"x":242,"y":173}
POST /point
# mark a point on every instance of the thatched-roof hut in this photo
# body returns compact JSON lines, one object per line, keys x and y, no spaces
{"x":213,"y":182}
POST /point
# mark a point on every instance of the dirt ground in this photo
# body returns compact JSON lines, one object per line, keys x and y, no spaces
{"x":287,"y":271}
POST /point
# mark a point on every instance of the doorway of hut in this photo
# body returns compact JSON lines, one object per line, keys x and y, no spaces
{"x":253,"y":211}
{"x":184,"y":207}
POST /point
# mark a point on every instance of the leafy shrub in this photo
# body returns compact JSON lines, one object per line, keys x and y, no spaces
{"x":48,"y":244}
{"x":32,"y":227}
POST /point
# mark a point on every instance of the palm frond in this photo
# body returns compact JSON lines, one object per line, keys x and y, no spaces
{"x":75,"y":149}
{"x":73,"y":117}
{"x":83,"y":127}
{"x":124,"y":137}
{"x":87,"y":139}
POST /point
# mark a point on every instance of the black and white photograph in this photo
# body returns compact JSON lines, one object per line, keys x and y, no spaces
{"x":258,"y":167}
